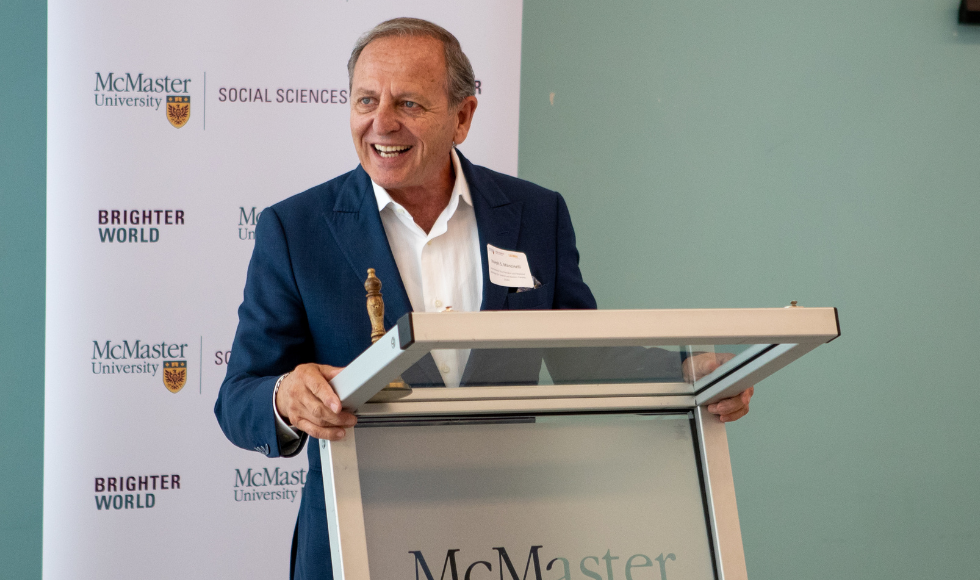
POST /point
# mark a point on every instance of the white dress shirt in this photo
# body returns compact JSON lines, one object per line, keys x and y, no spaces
{"x":440,"y":270}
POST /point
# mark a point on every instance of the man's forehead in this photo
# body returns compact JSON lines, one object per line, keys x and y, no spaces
{"x":414,"y":42}
{"x":392,"y":55}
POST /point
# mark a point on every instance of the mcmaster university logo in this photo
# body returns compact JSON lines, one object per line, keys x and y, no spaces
{"x":139,"y":357}
{"x":174,"y":375}
{"x":178,"y":110}
{"x":144,"y":91}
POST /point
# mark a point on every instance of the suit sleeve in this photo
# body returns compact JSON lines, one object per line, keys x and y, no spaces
{"x":272,"y":338}
{"x":570,"y":290}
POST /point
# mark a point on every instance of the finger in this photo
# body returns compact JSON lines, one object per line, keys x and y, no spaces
{"x":328,"y":372}
{"x":734,"y":416}
{"x":688,"y":369}
{"x":711,"y":361}
{"x":327,"y":433}
{"x":742,"y":409}
{"x":316,"y":411}
{"x":726,"y":406}
{"x":707,"y":363}
{"x":297,"y":398}
{"x":699,"y":365}
{"x":732,"y":404}
{"x":723,"y":357}
{"x":303,"y":404}
{"x":320,"y":387}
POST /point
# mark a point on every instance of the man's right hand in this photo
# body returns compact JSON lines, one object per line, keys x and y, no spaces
{"x":308,"y":402}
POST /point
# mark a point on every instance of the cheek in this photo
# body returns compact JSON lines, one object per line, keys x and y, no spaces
{"x":359,"y":124}
{"x":442,"y":135}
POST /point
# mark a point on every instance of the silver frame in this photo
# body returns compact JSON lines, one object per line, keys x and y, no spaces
{"x":778,"y":336}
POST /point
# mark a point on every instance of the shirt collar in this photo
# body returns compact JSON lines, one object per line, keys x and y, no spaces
{"x":461,"y":189}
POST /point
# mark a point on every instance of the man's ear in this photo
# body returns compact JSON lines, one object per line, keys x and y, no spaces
{"x":464,"y":116}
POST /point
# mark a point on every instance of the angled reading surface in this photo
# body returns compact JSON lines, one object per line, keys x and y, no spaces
{"x":563,"y":354}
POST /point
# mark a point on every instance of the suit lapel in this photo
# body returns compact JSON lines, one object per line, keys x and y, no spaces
{"x":499,"y":222}
{"x":360,"y":235}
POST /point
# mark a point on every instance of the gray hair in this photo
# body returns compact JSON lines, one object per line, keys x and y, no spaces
{"x":460,"y":80}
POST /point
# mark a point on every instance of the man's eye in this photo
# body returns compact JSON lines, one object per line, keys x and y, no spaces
{"x":411,"y":104}
{"x":365,"y":100}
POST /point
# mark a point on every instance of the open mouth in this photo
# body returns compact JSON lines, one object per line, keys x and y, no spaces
{"x":389,"y":151}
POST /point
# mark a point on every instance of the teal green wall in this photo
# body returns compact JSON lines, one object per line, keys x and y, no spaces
{"x":749,"y":153}
{"x":715,"y":154}
{"x":23,"y":57}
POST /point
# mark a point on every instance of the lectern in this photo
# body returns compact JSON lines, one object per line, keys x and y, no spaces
{"x":561,"y":445}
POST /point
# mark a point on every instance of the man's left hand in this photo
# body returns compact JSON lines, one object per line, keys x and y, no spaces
{"x":734,"y":408}
{"x":702,"y":364}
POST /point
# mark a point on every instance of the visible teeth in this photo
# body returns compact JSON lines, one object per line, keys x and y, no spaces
{"x":391,"y":150}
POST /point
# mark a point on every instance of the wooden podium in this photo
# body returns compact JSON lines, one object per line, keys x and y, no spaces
{"x":576,"y":444}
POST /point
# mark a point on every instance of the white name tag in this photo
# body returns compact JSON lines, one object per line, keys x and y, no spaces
{"x":509,"y":268}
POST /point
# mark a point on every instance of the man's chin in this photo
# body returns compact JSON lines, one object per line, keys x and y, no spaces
{"x":382,"y":169}
{"x":385,"y":178}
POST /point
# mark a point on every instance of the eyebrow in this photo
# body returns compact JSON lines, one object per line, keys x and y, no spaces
{"x":406,"y":96}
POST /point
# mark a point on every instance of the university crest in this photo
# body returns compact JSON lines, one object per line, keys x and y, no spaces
{"x":174,"y":375}
{"x":178,"y":110}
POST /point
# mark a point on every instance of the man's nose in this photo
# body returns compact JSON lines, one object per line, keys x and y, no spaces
{"x":385,"y":120}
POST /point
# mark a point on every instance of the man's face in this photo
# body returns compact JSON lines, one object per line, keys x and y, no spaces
{"x":400,"y":118}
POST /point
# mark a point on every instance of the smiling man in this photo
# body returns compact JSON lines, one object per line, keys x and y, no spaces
{"x":422,"y":216}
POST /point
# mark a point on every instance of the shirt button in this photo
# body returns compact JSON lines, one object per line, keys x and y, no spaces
{"x":438,"y":303}
{"x":444,"y":369}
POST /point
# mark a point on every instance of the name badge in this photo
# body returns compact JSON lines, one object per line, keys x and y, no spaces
{"x":509,"y":268}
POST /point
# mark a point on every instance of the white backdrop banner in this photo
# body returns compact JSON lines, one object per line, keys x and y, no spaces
{"x":171,"y":125}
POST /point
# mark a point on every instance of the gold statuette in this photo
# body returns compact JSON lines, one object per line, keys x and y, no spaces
{"x":376,"y":312}
{"x":375,"y":306}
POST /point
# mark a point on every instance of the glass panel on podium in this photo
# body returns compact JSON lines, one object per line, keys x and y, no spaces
{"x":606,"y":493}
{"x":581,"y":365}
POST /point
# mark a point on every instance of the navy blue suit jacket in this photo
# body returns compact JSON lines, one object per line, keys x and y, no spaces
{"x":304,"y":301}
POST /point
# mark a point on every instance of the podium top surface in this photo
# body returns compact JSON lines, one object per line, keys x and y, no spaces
{"x":699,"y":355}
